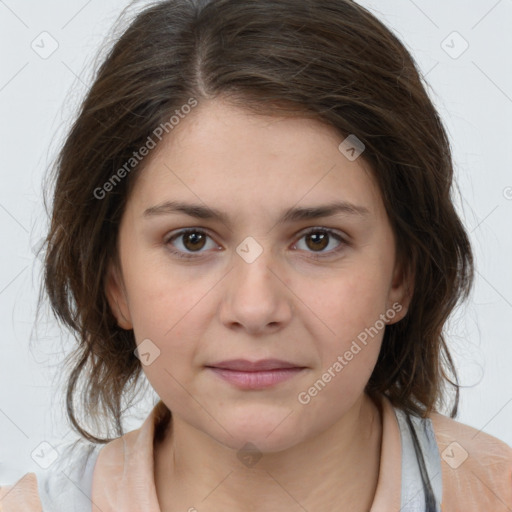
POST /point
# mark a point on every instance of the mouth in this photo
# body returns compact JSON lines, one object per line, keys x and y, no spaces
{"x":246,"y":374}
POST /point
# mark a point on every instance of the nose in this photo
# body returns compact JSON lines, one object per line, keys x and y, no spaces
{"x":256,"y":297}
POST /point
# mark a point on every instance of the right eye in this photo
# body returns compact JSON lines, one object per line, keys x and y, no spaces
{"x":192,"y":240}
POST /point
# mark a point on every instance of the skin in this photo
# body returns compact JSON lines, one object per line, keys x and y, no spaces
{"x":285,"y":304}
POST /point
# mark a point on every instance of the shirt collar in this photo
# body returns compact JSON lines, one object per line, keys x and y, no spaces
{"x":123,"y":478}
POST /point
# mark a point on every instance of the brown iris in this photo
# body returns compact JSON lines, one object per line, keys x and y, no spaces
{"x":320,"y":239}
{"x":195,"y":239}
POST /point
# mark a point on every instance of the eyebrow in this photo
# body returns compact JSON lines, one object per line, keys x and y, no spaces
{"x":290,"y":215}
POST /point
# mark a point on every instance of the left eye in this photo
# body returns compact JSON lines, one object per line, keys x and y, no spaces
{"x":319,"y":238}
{"x":193,"y":240}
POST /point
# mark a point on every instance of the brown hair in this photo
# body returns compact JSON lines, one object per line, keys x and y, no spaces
{"x":329,"y":60}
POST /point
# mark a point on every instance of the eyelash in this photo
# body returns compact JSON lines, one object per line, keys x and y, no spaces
{"x":316,"y":256}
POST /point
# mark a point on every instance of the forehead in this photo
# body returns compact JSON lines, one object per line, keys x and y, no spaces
{"x":223,"y":156}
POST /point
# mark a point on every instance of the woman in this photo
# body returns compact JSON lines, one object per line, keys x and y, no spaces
{"x":253,"y":209}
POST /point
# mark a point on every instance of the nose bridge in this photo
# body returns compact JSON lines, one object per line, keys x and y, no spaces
{"x":254,"y":261}
{"x":255,"y":296}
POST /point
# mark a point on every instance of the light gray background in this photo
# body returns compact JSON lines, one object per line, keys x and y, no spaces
{"x":473,"y":92}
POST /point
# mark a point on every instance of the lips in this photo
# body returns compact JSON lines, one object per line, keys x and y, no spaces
{"x":255,"y":375}
{"x":243,"y":365}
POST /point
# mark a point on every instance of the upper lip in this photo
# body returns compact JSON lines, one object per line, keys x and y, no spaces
{"x":244,"y":365}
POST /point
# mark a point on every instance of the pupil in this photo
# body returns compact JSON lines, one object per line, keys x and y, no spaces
{"x":319,"y":240}
{"x":194,"y":238}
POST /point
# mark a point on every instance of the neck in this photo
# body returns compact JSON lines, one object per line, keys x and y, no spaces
{"x":335,"y":470}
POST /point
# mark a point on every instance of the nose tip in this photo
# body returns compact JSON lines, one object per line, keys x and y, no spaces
{"x":255,"y":298}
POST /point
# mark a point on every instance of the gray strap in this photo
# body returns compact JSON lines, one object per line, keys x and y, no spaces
{"x":413,"y":486}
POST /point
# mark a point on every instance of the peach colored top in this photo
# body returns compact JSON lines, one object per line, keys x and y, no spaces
{"x":458,"y":467}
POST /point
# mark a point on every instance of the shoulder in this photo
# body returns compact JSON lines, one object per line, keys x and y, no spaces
{"x":476,"y":467}
{"x":64,"y":485}
{"x":21,"y":495}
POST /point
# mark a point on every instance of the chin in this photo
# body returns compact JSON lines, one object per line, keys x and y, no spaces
{"x":266,"y":431}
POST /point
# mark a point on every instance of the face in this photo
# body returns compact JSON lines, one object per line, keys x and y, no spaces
{"x":315,"y":291}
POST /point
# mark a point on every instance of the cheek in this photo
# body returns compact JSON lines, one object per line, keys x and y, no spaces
{"x":348,"y":349}
{"x":345,"y":318}
{"x":167,"y":317}
{"x":172,"y":311}
{"x":162,"y":294}
{"x":347,"y":302}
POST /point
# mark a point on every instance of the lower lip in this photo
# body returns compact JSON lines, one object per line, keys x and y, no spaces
{"x":256,"y":380}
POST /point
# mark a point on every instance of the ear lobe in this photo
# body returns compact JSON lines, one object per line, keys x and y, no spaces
{"x":116,"y":297}
{"x":401,"y":292}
